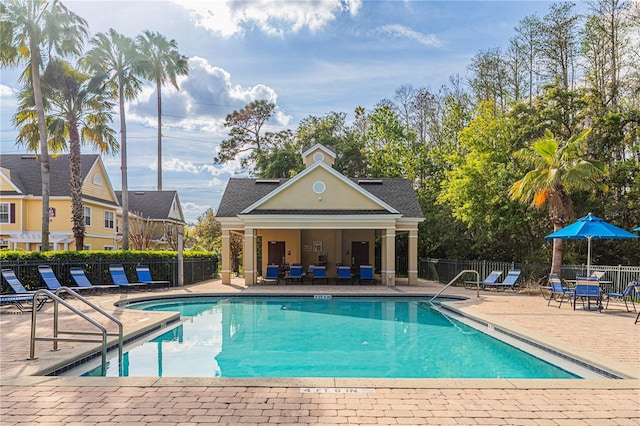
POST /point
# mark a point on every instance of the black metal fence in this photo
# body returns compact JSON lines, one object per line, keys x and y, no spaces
{"x":444,"y":270}
{"x":195,"y":269}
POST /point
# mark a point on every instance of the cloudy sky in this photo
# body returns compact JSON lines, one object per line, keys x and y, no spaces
{"x":307,"y":57}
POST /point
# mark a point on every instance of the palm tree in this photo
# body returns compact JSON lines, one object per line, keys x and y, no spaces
{"x":30,"y":25}
{"x":557,"y":170}
{"x":160,"y":62}
{"x":85,"y":115}
{"x":112,"y":59}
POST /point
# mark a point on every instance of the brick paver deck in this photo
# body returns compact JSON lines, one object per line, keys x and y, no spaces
{"x":608,"y":339}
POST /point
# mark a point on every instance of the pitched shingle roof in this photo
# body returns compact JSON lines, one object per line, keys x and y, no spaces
{"x":26,"y":175}
{"x":150,"y":204}
{"x":240,"y":193}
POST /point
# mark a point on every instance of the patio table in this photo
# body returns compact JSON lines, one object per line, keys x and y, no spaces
{"x":598,"y":305}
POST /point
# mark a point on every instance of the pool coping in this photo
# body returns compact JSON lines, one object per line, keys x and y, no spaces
{"x":611,"y":372}
{"x":305,"y":383}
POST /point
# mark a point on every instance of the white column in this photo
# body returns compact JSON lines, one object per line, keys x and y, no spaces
{"x":249,"y":257}
{"x":226,"y":256}
{"x":413,"y":257}
{"x":389,"y":257}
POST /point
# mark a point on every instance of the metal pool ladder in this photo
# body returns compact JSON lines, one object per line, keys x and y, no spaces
{"x":454,"y":280}
{"x":56,"y":330}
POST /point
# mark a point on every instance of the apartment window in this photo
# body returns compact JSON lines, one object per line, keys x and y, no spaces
{"x":86,"y":247}
{"x":87,"y":216}
{"x":5,"y":214}
{"x":108,"y":220}
{"x":108,"y":248}
{"x":117,"y":225}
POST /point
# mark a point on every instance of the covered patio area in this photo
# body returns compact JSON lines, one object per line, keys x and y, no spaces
{"x":320,"y":218}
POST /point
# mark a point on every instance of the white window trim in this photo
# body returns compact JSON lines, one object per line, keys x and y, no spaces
{"x":85,"y":210}
{"x":8,"y":207}
{"x":112,"y":219}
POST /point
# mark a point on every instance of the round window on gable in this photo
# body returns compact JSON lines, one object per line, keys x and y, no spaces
{"x":318,"y":156}
{"x":97,"y":180}
{"x":319,"y":187}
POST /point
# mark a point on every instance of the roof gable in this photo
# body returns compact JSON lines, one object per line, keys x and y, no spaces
{"x":24,"y":172}
{"x":318,"y":152}
{"x":96,"y":182}
{"x":157,"y":205}
{"x":319,"y":187}
{"x":10,"y":182}
{"x":318,"y":147}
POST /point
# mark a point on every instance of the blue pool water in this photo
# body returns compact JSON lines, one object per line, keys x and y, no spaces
{"x":338,"y":337}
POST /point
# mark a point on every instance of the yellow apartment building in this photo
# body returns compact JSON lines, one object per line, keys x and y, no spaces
{"x":21,"y":204}
{"x":162,"y":209}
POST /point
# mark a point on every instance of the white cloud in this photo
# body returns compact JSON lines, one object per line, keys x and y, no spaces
{"x":273,"y":17}
{"x":193,"y":209}
{"x":6,"y":91}
{"x":217,"y":183}
{"x":177,"y":165}
{"x":206,"y":96}
{"x":8,"y":98}
{"x":185,"y":166}
{"x":405,"y":32}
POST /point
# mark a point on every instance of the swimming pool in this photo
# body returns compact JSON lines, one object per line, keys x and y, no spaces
{"x":322,"y":337}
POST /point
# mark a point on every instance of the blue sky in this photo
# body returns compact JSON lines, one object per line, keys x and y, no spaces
{"x":308,"y":57}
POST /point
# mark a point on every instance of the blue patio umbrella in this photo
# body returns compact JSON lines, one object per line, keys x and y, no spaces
{"x":637,"y":229}
{"x":589,"y":228}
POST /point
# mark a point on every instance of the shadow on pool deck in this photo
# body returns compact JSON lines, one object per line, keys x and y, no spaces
{"x":609,"y":339}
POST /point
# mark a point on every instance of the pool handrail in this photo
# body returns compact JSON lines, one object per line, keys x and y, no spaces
{"x":104,"y":333}
{"x":454,"y":280}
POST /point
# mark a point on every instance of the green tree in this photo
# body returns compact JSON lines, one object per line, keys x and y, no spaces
{"x":391,"y":146}
{"x":351,"y":158}
{"x":331,"y":130}
{"x":560,"y":41}
{"x":557,"y":169}
{"x":280,"y":158}
{"x":85,"y":116}
{"x":160,"y":62}
{"x":528,"y":37}
{"x":112,"y":59}
{"x":476,"y":187}
{"x":246,"y":139}
{"x":33,"y":31}
{"x":206,"y":233}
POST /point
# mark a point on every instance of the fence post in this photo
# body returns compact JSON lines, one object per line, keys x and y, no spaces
{"x":180,"y":258}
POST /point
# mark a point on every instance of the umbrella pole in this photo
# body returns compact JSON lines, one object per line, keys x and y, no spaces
{"x":588,"y":256}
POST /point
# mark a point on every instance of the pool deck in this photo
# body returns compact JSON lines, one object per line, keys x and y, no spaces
{"x":609,"y":340}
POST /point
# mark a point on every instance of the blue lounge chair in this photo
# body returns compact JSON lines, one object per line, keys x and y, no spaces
{"x":21,"y":299}
{"x":629,"y":293}
{"x":559,"y":293}
{"x":51,"y":281}
{"x":144,"y":276}
{"x":295,"y":274}
{"x":81,"y":280}
{"x":587,"y":288}
{"x":272,"y":275}
{"x":120,"y":279}
{"x":491,"y":279}
{"x":509,"y":282}
{"x":344,"y":274}
{"x":366,"y":274}
{"x":319,"y":273}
